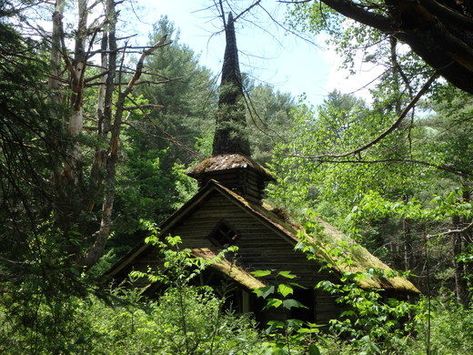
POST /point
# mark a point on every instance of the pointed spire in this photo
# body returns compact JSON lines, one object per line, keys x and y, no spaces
{"x":231,"y":66}
{"x":230,"y":134}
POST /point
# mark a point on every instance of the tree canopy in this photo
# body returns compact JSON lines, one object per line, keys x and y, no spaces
{"x":438,"y":31}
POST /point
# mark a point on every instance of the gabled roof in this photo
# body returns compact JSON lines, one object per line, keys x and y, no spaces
{"x":329,"y":244}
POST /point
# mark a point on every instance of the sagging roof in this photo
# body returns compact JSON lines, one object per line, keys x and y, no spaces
{"x":329,"y":244}
{"x":233,"y":271}
{"x":223,"y":162}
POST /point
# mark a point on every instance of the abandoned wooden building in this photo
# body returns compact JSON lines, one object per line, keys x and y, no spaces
{"x":229,"y":209}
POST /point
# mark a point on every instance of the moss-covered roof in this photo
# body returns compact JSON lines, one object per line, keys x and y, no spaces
{"x":224,"y":162}
{"x":233,"y":271}
{"x":332,"y":246}
{"x":328,"y":244}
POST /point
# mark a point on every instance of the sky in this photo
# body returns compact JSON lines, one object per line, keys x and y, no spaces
{"x":267,"y":52}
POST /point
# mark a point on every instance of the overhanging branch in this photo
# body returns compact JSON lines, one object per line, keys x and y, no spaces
{"x":392,"y":128}
{"x":358,"y":13}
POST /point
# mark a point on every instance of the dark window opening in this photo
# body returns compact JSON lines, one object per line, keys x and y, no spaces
{"x":223,"y":235}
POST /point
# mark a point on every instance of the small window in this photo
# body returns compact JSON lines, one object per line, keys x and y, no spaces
{"x":223,"y":235}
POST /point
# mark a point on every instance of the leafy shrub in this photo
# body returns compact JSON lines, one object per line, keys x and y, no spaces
{"x":451,"y":328}
{"x":184,"y":321}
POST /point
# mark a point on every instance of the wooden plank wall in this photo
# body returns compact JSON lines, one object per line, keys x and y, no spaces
{"x":259,"y":246}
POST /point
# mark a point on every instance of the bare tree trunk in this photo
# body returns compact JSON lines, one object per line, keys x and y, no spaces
{"x":104,"y":166}
{"x":465,"y":240}
{"x":109,"y":113}
{"x":406,"y":230}
{"x":460,"y":282}
{"x":77,"y":72}
{"x":102,"y":235}
{"x":395,"y":71}
{"x":406,"y":246}
{"x":105,"y":99}
{"x":56,"y":56}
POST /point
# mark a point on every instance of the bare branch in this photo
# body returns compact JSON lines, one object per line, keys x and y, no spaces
{"x":246,"y":10}
{"x":443,"y":167}
{"x":139,"y":66}
{"x":452,"y":231}
{"x":284,"y":27}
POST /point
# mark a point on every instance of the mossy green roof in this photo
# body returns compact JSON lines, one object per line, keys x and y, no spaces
{"x":330,"y":245}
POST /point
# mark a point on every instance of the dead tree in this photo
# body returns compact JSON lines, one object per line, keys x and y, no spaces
{"x":71,"y":78}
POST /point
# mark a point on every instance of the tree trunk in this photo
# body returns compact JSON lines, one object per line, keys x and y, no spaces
{"x":56,"y":51}
{"x":104,"y":165}
{"x":105,"y":101}
{"x":102,"y":235}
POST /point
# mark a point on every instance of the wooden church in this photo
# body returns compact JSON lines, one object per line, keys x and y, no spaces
{"x":228,"y":210}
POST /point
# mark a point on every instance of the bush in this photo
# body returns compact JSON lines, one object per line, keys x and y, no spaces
{"x":451,"y":328}
{"x":186,"y":321}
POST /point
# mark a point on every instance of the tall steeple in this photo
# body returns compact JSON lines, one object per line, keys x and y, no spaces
{"x":230,"y":163}
{"x":231,"y":132}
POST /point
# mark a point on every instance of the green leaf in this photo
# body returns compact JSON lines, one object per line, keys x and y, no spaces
{"x":261,"y":273}
{"x":308,"y":331}
{"x":285,"y":290}
{"x":292,"y":303}
{"x":313,"y":349}
{"x":273,"y":303}
{"x":264,"y":291}
{"x":287,"y":274}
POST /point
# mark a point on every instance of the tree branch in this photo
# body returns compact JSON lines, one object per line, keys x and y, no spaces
{"x":393,"y":127}
{"x":143,"y":107}
{"x":246,"y":10}
{"x":452,"y":231}
{"x":357,"y":13}
{"x":443,"y":167}
{"x":448,"y":14}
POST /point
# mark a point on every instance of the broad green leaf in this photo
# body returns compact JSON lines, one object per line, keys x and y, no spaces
{"x":285,"y":290}
{"x":308,"y":330}
{"x":273,"y":303}
{"x":261,"y":273}
{"x":287,"y":274}
{"x":264,"y":292}
{"x":292,"y":303}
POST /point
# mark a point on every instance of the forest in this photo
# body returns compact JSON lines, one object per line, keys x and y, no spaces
{"x":99,"y":126}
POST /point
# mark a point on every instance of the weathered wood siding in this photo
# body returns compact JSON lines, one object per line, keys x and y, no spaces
{"x":245,"y":182}
{"x":259,"y":246}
